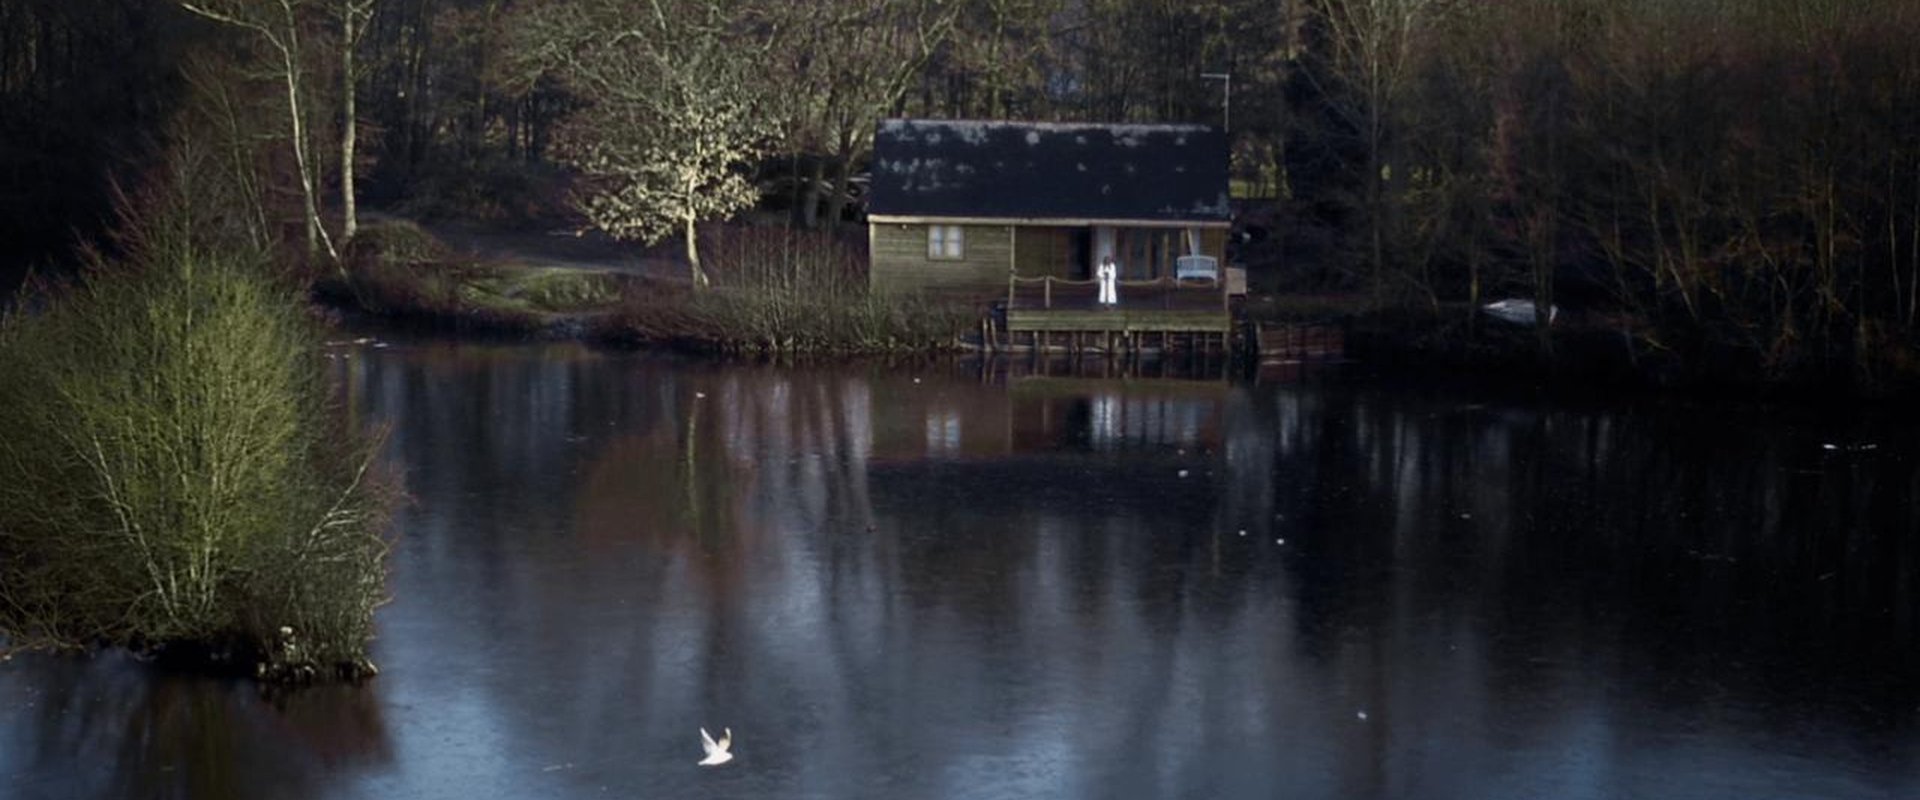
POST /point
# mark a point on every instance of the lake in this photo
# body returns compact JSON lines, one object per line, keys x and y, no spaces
{"x":1001,"y":581}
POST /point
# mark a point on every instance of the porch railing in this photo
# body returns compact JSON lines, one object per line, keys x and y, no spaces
{"x":1168,"y":294}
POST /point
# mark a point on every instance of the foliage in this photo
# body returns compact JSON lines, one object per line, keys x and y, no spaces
{"x":832,"y":87}
{"x":173,"y":477}
{"x":1715,"y":175}
{"x":1726,"y":179}
{"x":489,"y":190}
{"x":85,"y":86}
{"x":283,"y":33}
{"x":674,"y":116}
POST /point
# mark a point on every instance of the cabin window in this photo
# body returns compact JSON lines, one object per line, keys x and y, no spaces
{"x":945,"y":242}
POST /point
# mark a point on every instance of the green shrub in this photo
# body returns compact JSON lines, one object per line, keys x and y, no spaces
{"x":173,"y":477}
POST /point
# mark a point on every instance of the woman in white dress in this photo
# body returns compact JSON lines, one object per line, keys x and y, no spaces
{"x":1108,"y":273}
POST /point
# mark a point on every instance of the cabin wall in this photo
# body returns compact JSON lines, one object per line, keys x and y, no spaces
{"x":1041,"y":251}
{"x":1213,"y":242}
{"x":899,"y":262}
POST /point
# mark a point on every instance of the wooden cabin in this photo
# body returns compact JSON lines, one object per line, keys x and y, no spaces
{"x":965,"y":206}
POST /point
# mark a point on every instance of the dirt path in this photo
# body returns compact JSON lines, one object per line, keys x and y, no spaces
{"x":591,"y":250}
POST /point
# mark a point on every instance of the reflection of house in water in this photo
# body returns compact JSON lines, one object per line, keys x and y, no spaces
{"x":1116,"y":415}
{"x":1027,"y":415}
{"x":991,"y":452}
{"x":725,"y":462}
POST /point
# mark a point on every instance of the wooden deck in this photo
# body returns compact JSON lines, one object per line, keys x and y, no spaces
{"x":1051,"y":313}
{"x":1294,"y":342}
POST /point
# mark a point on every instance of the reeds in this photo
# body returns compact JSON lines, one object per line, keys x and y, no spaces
{"x":778,"y":291}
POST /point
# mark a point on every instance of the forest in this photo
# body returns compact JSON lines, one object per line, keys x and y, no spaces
{"x":1711,"y":182}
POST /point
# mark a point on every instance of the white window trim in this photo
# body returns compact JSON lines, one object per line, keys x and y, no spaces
{"x":946,"y":242}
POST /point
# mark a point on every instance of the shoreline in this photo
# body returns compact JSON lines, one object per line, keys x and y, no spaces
{"x":1587,"y":359}
{"x":406,"y":275}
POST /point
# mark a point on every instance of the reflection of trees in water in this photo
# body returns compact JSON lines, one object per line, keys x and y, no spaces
{"x":124,"y":731}
{"x":1694,"y":560}
{"x":1474,"y":576}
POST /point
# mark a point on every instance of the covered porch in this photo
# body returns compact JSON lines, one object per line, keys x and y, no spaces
{"x":1048,"y":313}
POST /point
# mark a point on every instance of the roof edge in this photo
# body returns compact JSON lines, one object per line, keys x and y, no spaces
{"x":1065,"y":222}
{"x":1169,"y":127}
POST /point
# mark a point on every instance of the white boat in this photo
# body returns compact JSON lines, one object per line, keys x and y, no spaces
{"x":1518,"y":312}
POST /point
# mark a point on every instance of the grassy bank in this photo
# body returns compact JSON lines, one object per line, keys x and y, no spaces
{"x":397,"y":269}
{"x":774,"y":292}
{"x":173,"y":476}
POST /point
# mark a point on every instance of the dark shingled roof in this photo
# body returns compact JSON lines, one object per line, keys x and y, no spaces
{"x":965,"y":168}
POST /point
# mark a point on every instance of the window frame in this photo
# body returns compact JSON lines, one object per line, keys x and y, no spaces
{"x":946,"y":242}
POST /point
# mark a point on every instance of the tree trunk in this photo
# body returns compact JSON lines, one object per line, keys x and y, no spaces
{"x":794,"y":214}
{"x":317,"y":239}
{"x":693,"y":255}
{"x":1473,"y":289}
{"x":1913,"y":258}
{"x":810,"y":197}
{"x":1546,"y":238}
{"x":1375,"y":202}
{"x":349,"y":212}
{"x":842,"y":170}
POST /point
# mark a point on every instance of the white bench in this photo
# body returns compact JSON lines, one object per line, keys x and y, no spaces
{"x":1197,"y":268}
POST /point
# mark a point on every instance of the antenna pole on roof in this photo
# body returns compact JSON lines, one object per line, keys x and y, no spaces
{"x":1226,"y":104}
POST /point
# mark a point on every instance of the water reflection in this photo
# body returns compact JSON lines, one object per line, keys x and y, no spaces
{"x":105,"y":727}
{"x":1017,"y":582}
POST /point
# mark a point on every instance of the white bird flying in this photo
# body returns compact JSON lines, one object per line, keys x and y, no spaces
{"x":716,"y":751}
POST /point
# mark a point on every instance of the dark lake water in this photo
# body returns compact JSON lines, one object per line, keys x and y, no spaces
{"x":956,"y":581}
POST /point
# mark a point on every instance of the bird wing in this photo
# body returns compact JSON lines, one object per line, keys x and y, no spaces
{"x":726,"y":741}
{"x":706,"y":742}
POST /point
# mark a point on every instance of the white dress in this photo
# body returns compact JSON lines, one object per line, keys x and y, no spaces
{"x":1109,"y":293}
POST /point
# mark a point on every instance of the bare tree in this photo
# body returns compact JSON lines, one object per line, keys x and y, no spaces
{"x":278,"y":24}
{"x":354,"y":16}
{"x":1372,"y":45}
{"x":675,"y":116}
{"x":834,"y":86}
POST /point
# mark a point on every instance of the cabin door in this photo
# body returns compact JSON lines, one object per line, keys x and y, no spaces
{"x":1104,"y":244}
{"x":1080,"y":254}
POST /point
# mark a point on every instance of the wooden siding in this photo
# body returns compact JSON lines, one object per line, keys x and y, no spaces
{"x":899,"y":262}
{"x":1040,"y":252}
{"x":1213,"y":242}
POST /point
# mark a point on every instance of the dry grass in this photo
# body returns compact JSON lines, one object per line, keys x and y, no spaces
{"x":787,"y":292}
{"x":399,"y":269}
